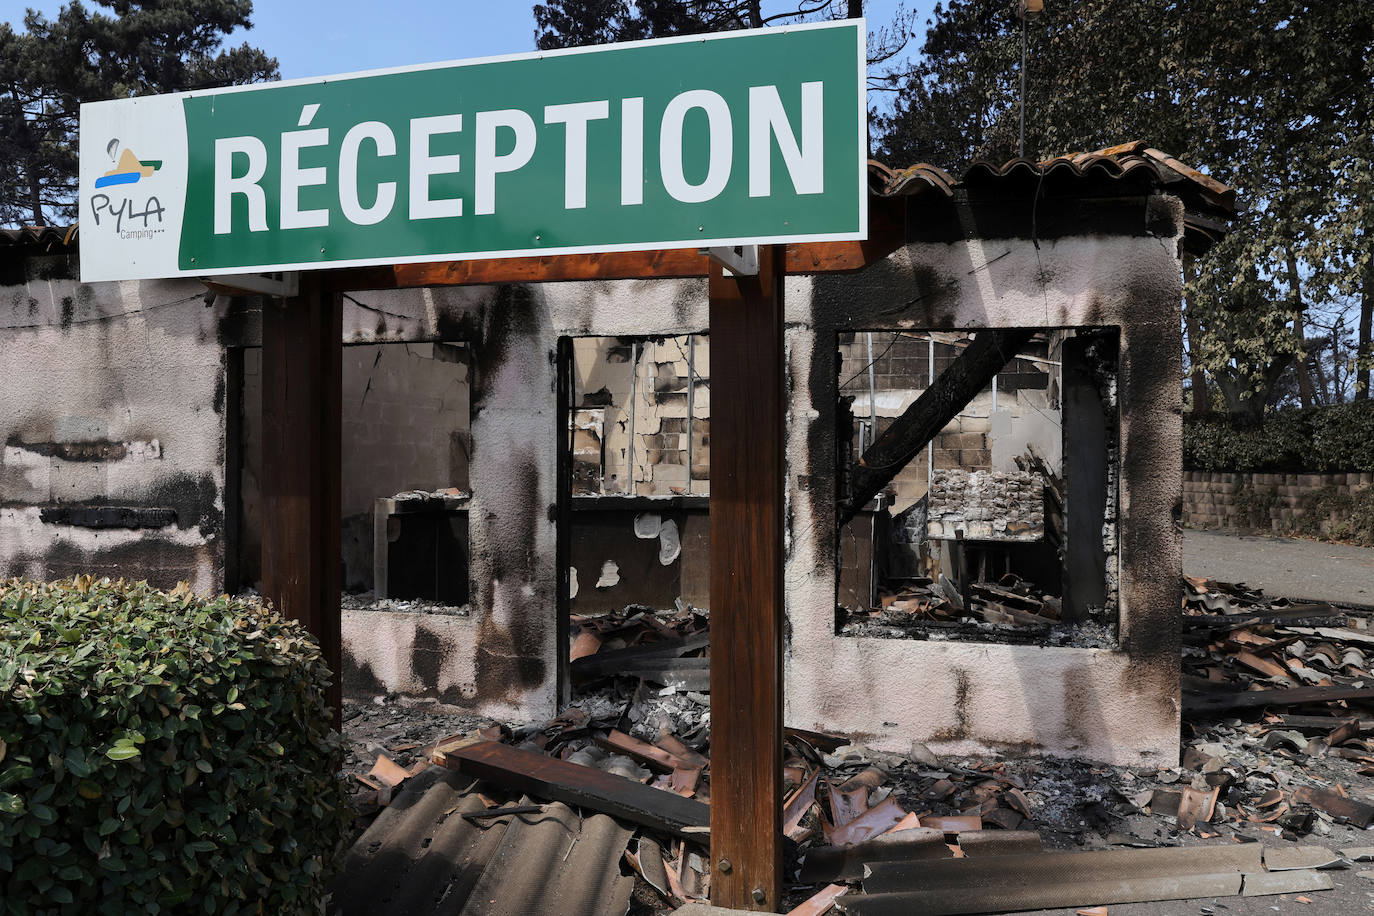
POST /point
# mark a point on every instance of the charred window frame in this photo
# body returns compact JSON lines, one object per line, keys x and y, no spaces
{"x":1002,"y":527}
{"x":402,"y":425}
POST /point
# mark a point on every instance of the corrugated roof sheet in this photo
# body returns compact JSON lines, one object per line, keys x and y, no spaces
{"x":422,"y":856}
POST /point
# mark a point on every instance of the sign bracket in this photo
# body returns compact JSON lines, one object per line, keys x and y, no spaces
{"x":284,"y":284}
{"x":739,"y":260}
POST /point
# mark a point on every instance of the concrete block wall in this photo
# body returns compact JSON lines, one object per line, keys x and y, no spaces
{"x":616,"y":377}
{"x":987,"y":505}
{"x":405,"y":427}
{"x":1278,"y":502}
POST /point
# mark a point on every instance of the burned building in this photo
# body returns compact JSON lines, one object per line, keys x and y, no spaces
{"x":497,"y":438}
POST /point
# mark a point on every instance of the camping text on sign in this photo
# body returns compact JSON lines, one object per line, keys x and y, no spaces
{"x":741,"y":137}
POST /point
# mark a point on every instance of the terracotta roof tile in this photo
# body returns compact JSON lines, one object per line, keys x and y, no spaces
{"x":1135,"y":161}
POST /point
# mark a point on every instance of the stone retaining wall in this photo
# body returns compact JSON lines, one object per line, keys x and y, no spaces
{"x":1282,"y":503}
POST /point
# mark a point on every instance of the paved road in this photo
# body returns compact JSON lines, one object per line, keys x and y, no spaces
{"x":1283,"y":567}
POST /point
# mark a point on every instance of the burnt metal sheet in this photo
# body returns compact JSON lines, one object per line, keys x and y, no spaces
{"x":555,"y":863}
{"x":824,"y":864}
{"x":947,"y":901}
{"x":1065,"y":868}
{"x":421,"y":855}
{"x":1286,"y":882}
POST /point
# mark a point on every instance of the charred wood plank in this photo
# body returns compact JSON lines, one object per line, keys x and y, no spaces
{"x":1324,"y":723}
{"x":947,"y":901}
{"x":548,"y":777}
{"x":990,"y":351}
{"x":614,"y":661}
{"x":684,"y":673}
{"x":1259,"y":616}
{"x":886,"y":233}
{"x":1291,"y":696}
{"x":1044,"y":869}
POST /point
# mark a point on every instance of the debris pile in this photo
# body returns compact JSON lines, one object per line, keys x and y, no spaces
{"x":1278,"y":748}
{"x":1304,"y":670}
{"x":934,"y":609}
{"x":670,"y":650}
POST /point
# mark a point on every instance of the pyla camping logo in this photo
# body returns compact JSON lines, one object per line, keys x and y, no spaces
{"x":128,"y":170}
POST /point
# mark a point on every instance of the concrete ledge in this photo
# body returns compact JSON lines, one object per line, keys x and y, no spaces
{"x":973,"y":699}
{"x":438,"y":656}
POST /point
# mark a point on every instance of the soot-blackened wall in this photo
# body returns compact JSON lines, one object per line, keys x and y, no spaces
{"x":151,"y":384}
{"x":1117,"y":705}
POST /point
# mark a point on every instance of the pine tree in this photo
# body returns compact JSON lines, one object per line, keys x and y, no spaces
{"x":138,"y":47}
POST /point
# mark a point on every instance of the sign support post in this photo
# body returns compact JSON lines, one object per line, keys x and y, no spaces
{"x":302,"y":386}
{"x":747,"y":413}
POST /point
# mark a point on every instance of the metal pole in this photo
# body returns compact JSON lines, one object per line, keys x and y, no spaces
{"x":930,"y":381}
{"x":634,"y":385}
{"x":1021,"y":148}
{"x":691,"y":401}
{"x":872,"y":399}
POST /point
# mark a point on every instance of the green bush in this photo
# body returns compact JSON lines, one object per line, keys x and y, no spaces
{"x":1334,"y":439}
{"x":161,"y":753}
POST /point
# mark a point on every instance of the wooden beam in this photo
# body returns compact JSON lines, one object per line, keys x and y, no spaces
{"x":1225,"y":700}
{"x":548,"y":777}
{"x":886,"y":234}
{"x":563,"y":518}
{"x":991,"y":350}
{"x":302,"y":372}
{"x":746,"y":585}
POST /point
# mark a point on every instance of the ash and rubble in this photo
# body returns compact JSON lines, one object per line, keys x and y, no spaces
{"x":1010,"y":610}
{"x":1278,"y":769}
{"x":368,"y":601}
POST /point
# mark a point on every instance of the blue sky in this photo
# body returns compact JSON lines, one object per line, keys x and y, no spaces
{"x":320,"y":37}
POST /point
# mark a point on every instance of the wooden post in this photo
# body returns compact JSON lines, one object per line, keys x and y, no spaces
{"x":746,"y":584}
{"x":302,"y":370}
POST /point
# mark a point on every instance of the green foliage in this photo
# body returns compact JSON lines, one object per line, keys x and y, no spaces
{"x":578,"y":23}
{"x":53,"y":65}
{"x":1340,"y":516}
{"x":1322,"y":439}
{"x":161,"y":753}
{"x":1273,"y":98}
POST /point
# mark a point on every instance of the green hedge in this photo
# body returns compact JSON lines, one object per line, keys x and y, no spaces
{"x":161,"y":753}
{"x":1335,"y":439}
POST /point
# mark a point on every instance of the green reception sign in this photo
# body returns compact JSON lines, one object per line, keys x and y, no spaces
{"x":741,"y":137}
